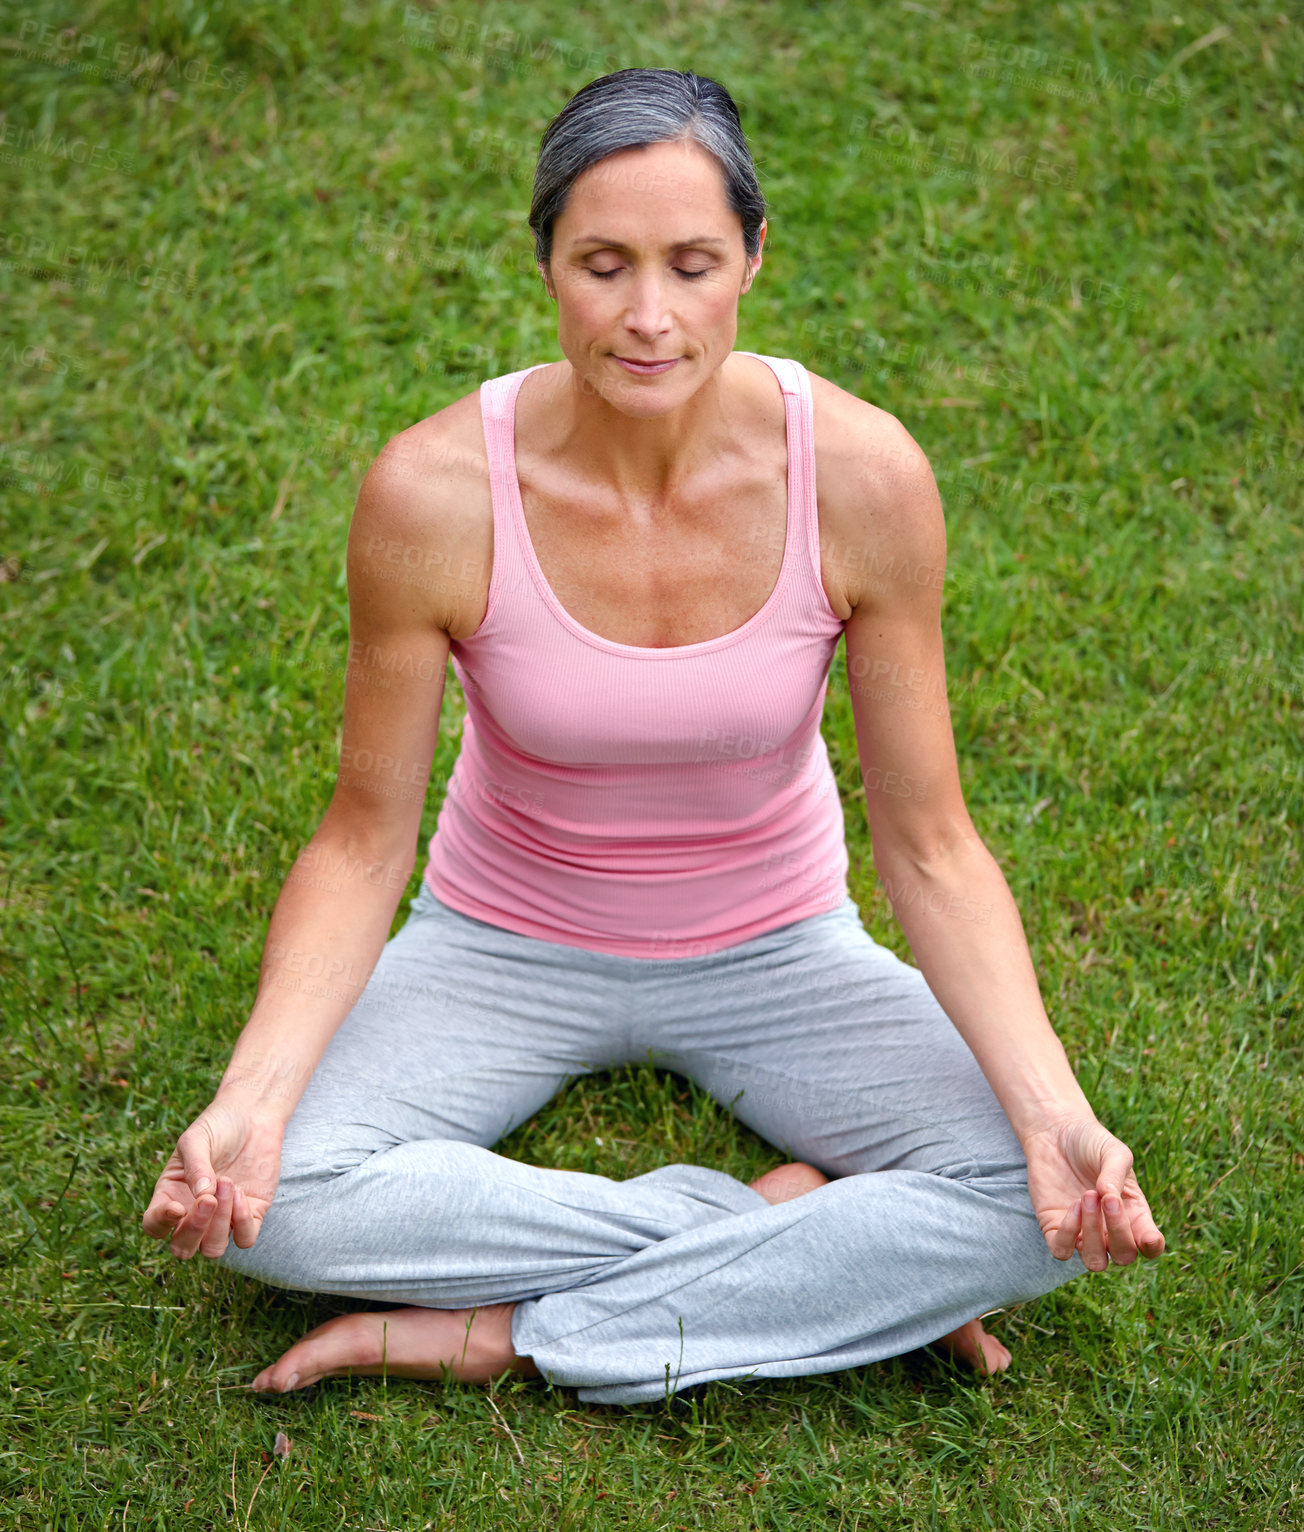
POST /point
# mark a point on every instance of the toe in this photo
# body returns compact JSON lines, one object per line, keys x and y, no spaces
{"x":996,"y":1355}
{"x":347,"y":1341}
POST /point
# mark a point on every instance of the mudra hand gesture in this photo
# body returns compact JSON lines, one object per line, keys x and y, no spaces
{"x":218,"y":1183}
{"x":1086,"y":1197}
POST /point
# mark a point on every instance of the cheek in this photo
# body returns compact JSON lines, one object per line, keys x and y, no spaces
{"x":719,"y":305}
{"x":585,"y":309}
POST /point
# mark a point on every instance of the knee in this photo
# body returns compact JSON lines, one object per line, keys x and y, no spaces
{"x":287,"y":1248}
{"x":303,"y":1231}
{"x":1040,"y":1273}
{"x":1030,"y":1267}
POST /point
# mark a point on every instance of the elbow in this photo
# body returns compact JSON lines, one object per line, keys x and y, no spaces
{"x":368,"y":836}
{"x":927,"y":852}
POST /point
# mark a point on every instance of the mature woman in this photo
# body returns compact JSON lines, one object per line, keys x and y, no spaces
{"x":641,"y":560}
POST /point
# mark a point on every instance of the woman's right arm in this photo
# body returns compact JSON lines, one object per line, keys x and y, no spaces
{"x":414,"y":564}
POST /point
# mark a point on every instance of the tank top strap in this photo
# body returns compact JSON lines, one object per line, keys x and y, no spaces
{"x":497,"y":412}
{"x":498,"y":417}
{"x":799,"y":409}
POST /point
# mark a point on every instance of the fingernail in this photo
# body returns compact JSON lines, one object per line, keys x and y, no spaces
{"x":293,"y":1380}
{"x":1113,"y":1205}
{"x":201,"y":1186}
{"x":1091,"y":1202}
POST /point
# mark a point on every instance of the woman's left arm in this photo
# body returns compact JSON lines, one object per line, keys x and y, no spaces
{"x":886,"y":545}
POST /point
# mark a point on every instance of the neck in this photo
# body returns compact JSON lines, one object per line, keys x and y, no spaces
{"x":644,"y":460}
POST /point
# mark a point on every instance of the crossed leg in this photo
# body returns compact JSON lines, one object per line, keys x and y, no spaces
{"x":815,"y":1036}
{"x":469,"y":1345}
{"x":475,"y":1345}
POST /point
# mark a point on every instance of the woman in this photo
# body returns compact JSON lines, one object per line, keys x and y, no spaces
{"x":641,"y":560}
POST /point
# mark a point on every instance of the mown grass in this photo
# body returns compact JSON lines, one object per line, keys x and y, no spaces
{"x":308,"y":231}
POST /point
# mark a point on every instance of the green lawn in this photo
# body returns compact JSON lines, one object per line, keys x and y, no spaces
{"x":243,"y":245}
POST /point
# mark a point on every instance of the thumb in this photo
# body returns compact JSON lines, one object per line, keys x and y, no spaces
{"x":197,"y":1168}
{"x":1114,"y":1169}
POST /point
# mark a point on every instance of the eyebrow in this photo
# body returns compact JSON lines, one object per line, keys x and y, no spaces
{"x":682,"y":244}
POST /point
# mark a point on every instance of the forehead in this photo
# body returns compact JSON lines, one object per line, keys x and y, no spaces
{"x":665,"y":185}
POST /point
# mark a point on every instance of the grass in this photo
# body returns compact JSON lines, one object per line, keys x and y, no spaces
{"x":244,"y":245}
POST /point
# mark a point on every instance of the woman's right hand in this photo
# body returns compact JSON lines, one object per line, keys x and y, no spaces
{"x":220,"y":1181}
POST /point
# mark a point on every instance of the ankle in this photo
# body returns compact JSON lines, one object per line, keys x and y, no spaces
{"x":490,"y":1350}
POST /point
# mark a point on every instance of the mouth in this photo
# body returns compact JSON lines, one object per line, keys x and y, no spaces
{"x":645,"y":369}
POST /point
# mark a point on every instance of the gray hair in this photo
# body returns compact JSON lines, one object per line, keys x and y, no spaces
{"x":629,"y":110}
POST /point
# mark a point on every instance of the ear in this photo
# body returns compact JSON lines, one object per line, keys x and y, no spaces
{"x":754,"y":262}
{"x":547,"y":280}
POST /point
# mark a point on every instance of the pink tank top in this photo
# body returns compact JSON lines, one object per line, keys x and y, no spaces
{"x":653,"y":803}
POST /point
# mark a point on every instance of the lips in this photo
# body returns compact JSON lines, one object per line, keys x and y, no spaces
{"x":647,"y":368}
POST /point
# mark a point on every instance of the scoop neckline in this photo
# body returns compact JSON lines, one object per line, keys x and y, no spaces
{"x":702,"y":646}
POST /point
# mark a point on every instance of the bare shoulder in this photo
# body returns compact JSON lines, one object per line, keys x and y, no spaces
{"x":423,"y":523}
{"x":879,"y":508}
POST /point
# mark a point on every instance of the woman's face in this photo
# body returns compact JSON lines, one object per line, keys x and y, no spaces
{"x":648,"y":265}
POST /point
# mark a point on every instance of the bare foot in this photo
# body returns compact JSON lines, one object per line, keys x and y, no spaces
{"x":972,"y":1344}
{"x":414,"y":1343}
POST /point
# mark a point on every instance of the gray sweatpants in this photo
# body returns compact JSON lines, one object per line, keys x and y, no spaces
{"x":815,"y":1036}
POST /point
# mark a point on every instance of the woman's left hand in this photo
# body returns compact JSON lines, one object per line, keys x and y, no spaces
{"x":1086,"y":1196}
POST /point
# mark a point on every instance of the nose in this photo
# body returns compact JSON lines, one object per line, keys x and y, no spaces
{"x":648,"y":313}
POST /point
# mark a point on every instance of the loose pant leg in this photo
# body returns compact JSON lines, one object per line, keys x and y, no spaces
{"x":837,"y":1052}
{"x":389,"y":1189}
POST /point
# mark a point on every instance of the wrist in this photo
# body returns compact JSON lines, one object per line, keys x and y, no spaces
{"x":265,"y":1092}
{"x":1049,"y":1117}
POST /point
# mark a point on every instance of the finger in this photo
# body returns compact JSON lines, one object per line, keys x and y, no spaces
{"x":191,"y":1230}
{"x":1094,"y":1255}
{"x":164,"y":1213}
{"x":218,"y":1234}
{"x":1143,"y":1231}
{"x":1122,"y":1244}
{"x":1065,"y":1238}
{"x":1115,"y":1169}
{"x":244,"y":1226}
{"x":1149,"y":1240}
{"x":199,"y":1172}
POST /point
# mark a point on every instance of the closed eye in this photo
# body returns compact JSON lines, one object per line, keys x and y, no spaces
{"x":690,"y":275}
